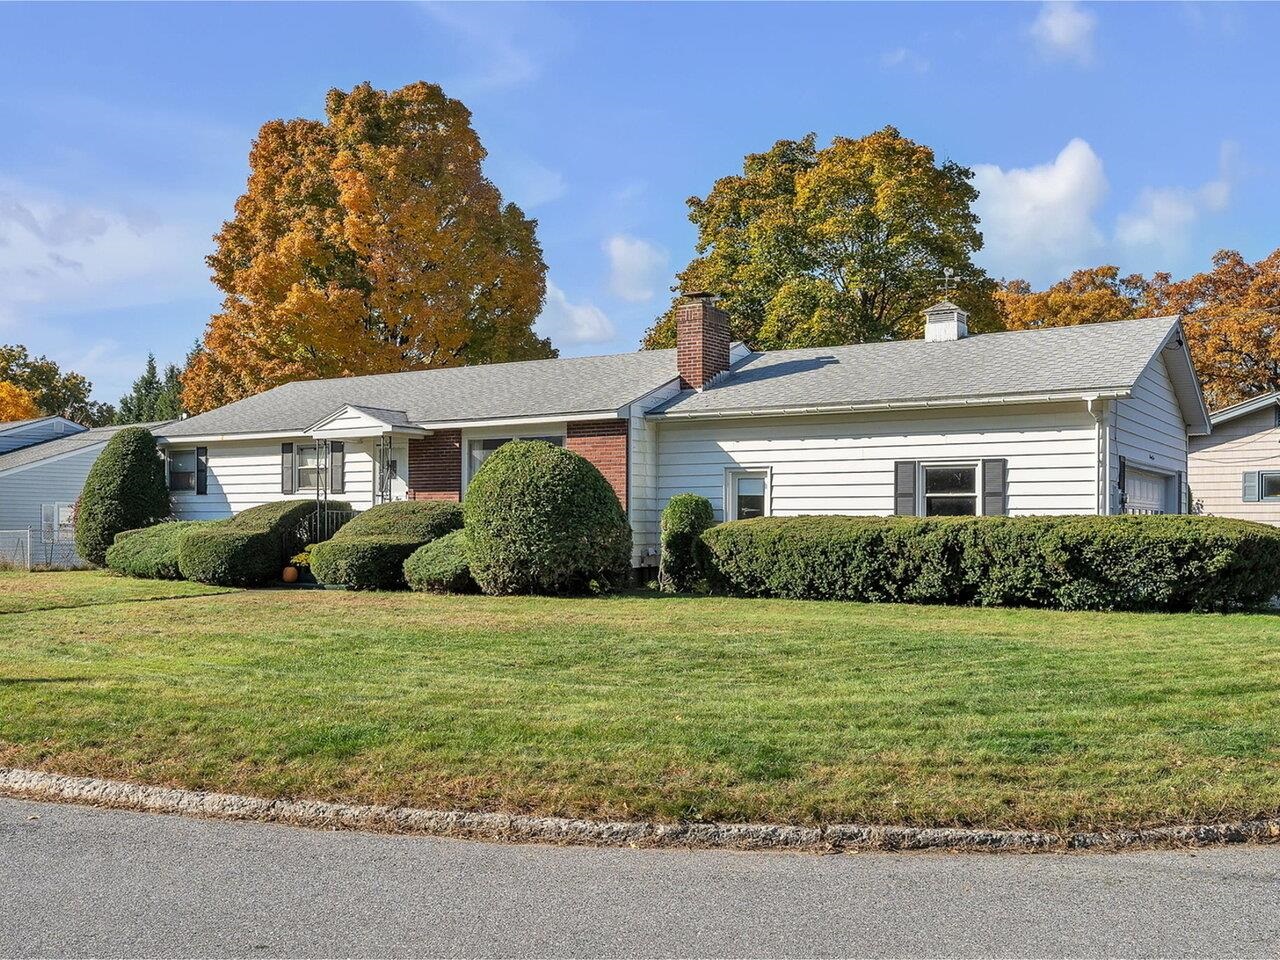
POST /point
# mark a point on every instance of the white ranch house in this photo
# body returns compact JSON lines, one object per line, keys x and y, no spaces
{"x":1071,"y":420}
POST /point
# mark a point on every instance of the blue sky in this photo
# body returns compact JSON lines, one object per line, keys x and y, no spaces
{"x":1139,"y":134}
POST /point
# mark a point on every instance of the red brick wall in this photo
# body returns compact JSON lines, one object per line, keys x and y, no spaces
{"x":435,"y":466}
{"x":604,"y":443}
{"x":702,"y":341}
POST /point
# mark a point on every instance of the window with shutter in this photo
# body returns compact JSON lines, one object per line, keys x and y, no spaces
{"x":904,"y":488}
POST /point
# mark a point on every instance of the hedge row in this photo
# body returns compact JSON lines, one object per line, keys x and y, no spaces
{"x":250,"y":548}
{"x":369,"y":552}
{"x":150,"y":552}
{"x":442,"y":566}
{"x":1173,"y":563}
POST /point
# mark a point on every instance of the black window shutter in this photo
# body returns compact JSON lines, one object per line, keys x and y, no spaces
{"x":995,"y":488}
{"x":1252,"y":489}
{"x":287,"y":475}
{"x":1122,"y":484}
{"x":202,"y":470}
{"x":1181,"y":506}
{"x":337,"y":467}
{"x":904,"y":488}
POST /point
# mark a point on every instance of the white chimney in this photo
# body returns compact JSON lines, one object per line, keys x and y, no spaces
{"x":945,"y":321}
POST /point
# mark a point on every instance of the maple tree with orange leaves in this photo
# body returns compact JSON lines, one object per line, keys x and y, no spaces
{"x":370,"y":242}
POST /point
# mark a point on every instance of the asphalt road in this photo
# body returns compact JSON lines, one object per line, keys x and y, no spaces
{"x":76,"y":881}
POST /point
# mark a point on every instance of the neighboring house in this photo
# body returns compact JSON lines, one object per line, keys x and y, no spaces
{"x":1235,"y":471}
{"x":1085,"y":420}
{"x":39,"y":485}
{"x":17,"y":434}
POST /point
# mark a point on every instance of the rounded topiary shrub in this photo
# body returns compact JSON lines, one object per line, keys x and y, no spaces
{"x":442,"y":566}
{"x":125,"y":489}
{"x":369,"y":552}
{"x":682,"y":565}
{"x":541,"y":519}
{"x":250,"y":548}
{"x":150,"y":552}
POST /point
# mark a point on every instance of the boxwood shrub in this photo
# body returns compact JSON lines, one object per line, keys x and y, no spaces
{"x":250,"y":548}
{"x":442,"y":566}
{"x":682,"y":564}
{"x":125,"y":489}
{"x":1171,"y":563}
{"x":150,"y":552}
{"x":542,"y":519}
{"x":369,"y":552}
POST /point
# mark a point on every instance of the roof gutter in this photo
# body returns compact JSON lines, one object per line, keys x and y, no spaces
{"x":1114,"y":393}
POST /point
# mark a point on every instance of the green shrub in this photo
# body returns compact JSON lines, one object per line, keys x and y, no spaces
{"x":125,"y":490}
{"x":250,"y":548}
{"x":1173,"y":563}
{"x":682,"y":564}
{"x":441,"y":566}
{"x":150,"y":552}
{"x":543,"y":520}
{"x":368,"y":553}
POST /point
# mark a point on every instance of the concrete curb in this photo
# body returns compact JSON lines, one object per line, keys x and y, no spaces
{"x":37,"y":785}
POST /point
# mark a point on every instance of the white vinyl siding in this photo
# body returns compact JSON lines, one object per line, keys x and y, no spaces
{"x":643,"y":508}
{"x":1149,"y":431}
{"x":244,"y":474}
{"x":56,"y":480}
{"x":844,"y":464}
{"x":1219,"y":461}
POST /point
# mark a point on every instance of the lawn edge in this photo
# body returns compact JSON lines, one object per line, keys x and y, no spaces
{"x":25,"y":784}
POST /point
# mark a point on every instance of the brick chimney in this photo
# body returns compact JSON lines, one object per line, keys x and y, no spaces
{"x":945,"y":321}
{"x":702,"y":340}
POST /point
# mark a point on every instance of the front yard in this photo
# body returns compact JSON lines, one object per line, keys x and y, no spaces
{"x":645,"y":706}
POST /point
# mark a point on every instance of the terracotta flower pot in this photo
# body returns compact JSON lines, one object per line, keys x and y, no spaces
{"x":290,"y":575}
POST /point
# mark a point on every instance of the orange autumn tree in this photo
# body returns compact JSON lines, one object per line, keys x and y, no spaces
{"x":1232,"y":318}
{"x":370,"y":242}
{"x":16,"y":403}
{"x":1092,"y":295}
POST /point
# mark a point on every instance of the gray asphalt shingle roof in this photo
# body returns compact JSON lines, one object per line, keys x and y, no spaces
{"x":10,"y":424}
{"x":1054,"y":360}
{"x":1026,"y":362}
{"x":530,"y":388}
{"x":67,"y":444}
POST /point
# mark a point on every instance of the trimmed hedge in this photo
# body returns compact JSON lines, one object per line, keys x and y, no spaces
{"x":544,"y":520}
{"x":369,"y":551}
{"x":442,"y":566}
{"x":150,"y":552}
{"x":250,"y":548}
{"x":124,"y":490}
{"x":682,"y":564}
{"x":1153,"y":563}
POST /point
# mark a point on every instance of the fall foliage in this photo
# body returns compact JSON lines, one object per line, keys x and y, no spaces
{"x":847,"y":244}
{"x":55,"y":393}
{"x":16,"y":403}
{"x":1231,"y":315}
{"x":370,"y":242}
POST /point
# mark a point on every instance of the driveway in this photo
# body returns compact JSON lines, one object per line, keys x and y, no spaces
{"x":76,"y":881}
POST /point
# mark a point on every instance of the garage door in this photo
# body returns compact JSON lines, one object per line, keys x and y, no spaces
{"x":1144,"y":491}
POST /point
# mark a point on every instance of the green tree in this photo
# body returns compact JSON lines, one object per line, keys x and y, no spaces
{"x":152,"y":397}
{"x":847,"y":244}
{"x":125,"y":490}
{"x":57,"y":394}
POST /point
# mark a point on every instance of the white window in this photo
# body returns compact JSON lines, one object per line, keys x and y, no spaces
{"x":478,"y":451}
{"x":182,"y":469}
{"x":1269,"y":485}
{"x":308,"y":467}
{"x":748,"y":494}
{"x":950,"y":489}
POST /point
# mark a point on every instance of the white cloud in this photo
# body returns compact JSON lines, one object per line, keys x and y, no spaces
{"x":60,"y":252}
{"x":904,"y":58}
{"x":636,"y":267}
{"x":1162,"y":217}
{"x":1064,"y":31}
{"x":573,"y":323}
{"x":1041,"y":220}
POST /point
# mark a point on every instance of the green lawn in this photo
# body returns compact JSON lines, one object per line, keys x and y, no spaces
{"x":644,"y":706}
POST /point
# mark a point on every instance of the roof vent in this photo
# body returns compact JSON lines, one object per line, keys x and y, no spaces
{"x":944,"y":322}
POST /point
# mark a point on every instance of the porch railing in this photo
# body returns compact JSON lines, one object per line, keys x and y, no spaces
{"x":323,"y":523}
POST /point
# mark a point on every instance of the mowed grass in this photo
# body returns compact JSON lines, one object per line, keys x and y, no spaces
{"x":647,"y":706}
